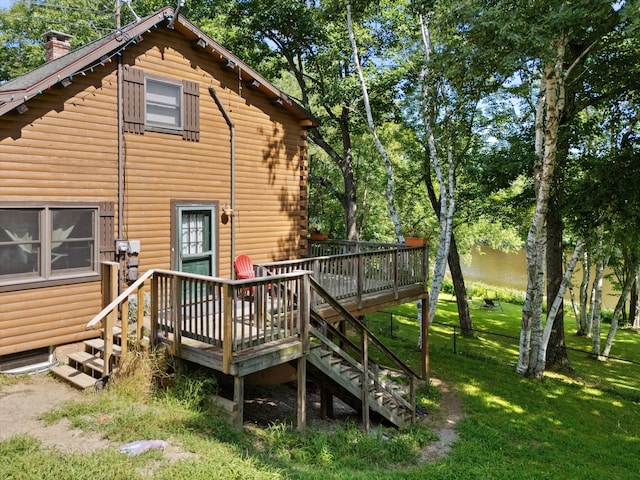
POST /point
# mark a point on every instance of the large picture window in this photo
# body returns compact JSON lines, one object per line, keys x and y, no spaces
{"x":39,"y":244}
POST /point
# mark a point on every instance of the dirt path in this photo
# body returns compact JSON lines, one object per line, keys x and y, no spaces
{"x":443,"y":423}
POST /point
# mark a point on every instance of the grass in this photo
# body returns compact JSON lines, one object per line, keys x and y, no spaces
{"x":582,"y":424}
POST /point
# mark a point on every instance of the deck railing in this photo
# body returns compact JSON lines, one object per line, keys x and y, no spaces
{"x":359,"y":268}
{"x":231,"y":314}
{"x":239,"y":314}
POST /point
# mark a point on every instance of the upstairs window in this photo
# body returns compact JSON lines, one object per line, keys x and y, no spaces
{"x":160,"y":104}
{"x":163,"y":104}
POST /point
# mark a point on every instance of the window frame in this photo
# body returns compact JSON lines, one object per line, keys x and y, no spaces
{"x":163,"y":128}
{"x":47,"y":275}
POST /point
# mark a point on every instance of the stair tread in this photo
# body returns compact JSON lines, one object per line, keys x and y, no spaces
{"x":89,"y":360}
{"x":98,"y":344}
{"x":70,"y":374}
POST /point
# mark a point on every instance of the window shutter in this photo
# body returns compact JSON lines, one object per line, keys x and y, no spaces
{"x":191,"y":107}
{"x":107,"y":234}
{"x":133,"y":101}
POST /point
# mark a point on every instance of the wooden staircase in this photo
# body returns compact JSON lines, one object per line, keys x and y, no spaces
{"x":336,"y":370}
{"x":342,"y":366}
{"x":85,"y":369}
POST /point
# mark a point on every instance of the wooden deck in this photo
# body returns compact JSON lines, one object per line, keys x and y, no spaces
{"x":240,"y":327}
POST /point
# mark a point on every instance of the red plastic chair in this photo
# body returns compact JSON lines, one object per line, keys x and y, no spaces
{"x":244,"y":269}
{"x":243,"y":265}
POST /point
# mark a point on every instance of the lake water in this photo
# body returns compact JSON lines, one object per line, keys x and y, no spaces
{"x":509,"y":270}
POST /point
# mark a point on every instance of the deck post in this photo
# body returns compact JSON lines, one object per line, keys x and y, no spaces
{"x":124,"y":327}
{"x":110,"y":274}
{"x":396,"y":271}
{"x":424,"y":332}
{"x":155,"y":305}
{"x":326,"y":403}
{"x":227,"y":328}
{"x":365,"y":380}
{"x":238,"y":399}
{"x":176,"y":314}
{"x":360,"y":277}
{"x":302,"y":394}
{"x":304,"y":313}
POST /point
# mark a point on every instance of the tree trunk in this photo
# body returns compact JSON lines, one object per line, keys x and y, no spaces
{"x":447,"y":204}
{"x":531,"y":327}
{"x":582,"y":325}
{"x":457,"y":277}
{"x":554,"y":308}
{"x":389,"y":192}
{"x":616,"y":313}
{"x":556,"y":355}
{"x":596,"y":294}
{"x":344,"y":162}
{"x":635,"y":318}
{"x":466,"y":325}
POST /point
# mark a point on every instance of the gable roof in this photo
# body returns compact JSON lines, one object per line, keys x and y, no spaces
{"x":19,"y":90}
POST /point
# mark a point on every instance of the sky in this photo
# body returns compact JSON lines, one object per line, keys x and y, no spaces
{"x":5,"y":3}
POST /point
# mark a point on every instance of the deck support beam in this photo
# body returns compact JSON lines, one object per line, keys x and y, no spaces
{"x":326,"y":403}
{"x":238,"y":399}
{"x":302,"y":394}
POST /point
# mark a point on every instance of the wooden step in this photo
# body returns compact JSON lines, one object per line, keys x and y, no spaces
{"x":82,"y":360}
{"x":97,"y":344}
{"x":73,"y":376}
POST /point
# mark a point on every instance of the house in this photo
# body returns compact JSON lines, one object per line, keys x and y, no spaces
{"x":153,"y":146}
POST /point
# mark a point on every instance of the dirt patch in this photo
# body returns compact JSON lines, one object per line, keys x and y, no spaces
{"x":22,"y":403}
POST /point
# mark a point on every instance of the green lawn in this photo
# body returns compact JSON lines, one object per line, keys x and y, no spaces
{"x":582,"y":425}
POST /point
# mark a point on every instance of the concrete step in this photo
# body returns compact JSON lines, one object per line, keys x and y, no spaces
{"x":73,"y":376}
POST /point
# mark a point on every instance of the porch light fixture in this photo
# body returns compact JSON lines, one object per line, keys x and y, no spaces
{"x":277,"y":101}
{"x":229,"y":65}
{"x":65,"y":82}
{"x":22,"y":108}
{"x":227,"y":213}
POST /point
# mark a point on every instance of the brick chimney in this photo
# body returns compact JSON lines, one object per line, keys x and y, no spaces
{"x":56,"y":44}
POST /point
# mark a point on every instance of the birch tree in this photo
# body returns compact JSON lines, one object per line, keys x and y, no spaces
{"x":546,"y":335}
{"x":446,"y":184}
{"x":553,"y":76}
{"x":389,"y":193}
{"x":624,"y":295}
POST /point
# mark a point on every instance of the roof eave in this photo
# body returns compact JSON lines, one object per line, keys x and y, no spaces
{"x":10,"y":99}
{"x":249,"y":75}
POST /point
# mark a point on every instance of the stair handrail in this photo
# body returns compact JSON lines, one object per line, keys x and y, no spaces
{"x":120,"y":298}
{"x":344,"y":313}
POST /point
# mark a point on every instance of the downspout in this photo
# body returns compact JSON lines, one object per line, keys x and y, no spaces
{"x":213,"y":93}
{"x":120,"y":153}
{"x":120,"y":88}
